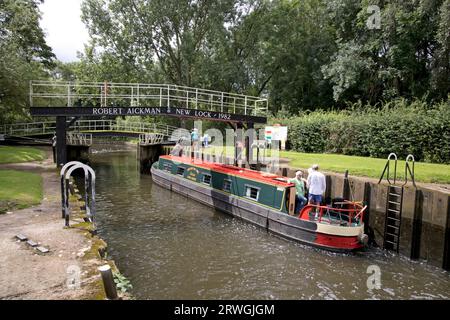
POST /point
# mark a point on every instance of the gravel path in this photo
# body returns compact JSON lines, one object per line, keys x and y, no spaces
{"x":26,"y":273}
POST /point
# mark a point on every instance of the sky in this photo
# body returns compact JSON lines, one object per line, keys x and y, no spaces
{"x":64,"y":30}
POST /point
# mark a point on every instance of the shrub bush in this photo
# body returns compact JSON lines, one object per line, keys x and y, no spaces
{"x":400,"y":127}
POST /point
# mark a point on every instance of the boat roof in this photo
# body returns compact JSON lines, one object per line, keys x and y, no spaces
{"x":263,"y":177}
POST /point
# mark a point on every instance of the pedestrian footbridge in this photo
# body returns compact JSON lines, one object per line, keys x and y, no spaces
{"x":69,"y":102}
{"x":81,"y":132}
{"x":98,"y":99}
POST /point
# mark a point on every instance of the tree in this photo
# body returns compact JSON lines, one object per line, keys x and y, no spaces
{"x":440,"y":78}
{"x":25,"y":55}
{"x":396,"y":60}
{"x":301,"y":54}
{"x":175,"y":34}
{"x":297,"y":39}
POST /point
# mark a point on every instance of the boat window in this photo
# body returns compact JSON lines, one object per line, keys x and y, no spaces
{"x":168,"y":167}
{"x":227,"y":185}
{"x":207,"y":179}
{"x":252,"y":192}
{"x":180,"y":171}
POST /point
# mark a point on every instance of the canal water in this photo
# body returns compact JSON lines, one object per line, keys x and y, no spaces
{"x":171,"y":247}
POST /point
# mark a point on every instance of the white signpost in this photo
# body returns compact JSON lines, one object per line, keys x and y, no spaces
{"x":276,"y":132}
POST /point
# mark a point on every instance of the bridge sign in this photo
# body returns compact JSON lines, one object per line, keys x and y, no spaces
{"x":145,"y":111}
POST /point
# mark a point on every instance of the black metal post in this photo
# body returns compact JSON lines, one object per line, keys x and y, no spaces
{"x":346,"y":187}
{"x":108,"y":282}
{"x":446,"y":258}
{"x":366,"y":201}
{"x":417,"y":225}
{"x":329,"y":187}
{"x":54,"y":148}
{"x":61,"y":147}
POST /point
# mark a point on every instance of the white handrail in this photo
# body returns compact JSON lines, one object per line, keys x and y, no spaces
{"x":78,"y":139}
{"x":150,"y":139}
{"x":59,"y":93}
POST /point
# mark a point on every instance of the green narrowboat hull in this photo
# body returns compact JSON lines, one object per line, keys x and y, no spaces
{"x":273,"y":220}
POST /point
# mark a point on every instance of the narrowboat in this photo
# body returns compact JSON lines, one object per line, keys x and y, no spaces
{"x":264,"y":199}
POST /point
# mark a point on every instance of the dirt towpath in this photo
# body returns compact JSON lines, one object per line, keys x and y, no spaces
{"x":25,"y":273}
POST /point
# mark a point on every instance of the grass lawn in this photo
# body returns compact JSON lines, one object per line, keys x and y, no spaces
{"x":357,"y":166}
{"x":20,"y":154}
{"x":19,"y":189}
{"x":368,"y":167}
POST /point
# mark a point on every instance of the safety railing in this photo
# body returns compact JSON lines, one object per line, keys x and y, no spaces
{"x":345,"y":216}
{"x":26,"y":129}
{"x":39,"y":128}
{"x":409,"y":169}
{"x":106,"y":94}
{"x":391,"y":156}
{"x":78,"y":139}
{"x":150,"y":139}
{"x":113,"y":125}
{"x":89,"y":190}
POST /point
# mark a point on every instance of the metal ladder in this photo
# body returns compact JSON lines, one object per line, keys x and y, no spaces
{"x":394,"y":202}
{"x":393,"y":218}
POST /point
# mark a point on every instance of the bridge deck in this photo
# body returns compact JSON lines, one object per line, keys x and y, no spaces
{"x":120,"y":99}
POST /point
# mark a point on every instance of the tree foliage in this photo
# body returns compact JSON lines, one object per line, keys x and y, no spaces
{"x":407,"y":56}
{"x":178,"y":36}
{"x":24,"y":55}
{"x":302,"y":54}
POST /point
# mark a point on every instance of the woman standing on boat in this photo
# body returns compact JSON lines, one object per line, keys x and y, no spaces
{"x":300,"y":184}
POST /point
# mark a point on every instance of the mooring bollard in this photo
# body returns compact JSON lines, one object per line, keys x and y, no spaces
{"x":108,"y":282}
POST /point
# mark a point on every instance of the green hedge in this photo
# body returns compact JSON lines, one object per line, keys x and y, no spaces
{"x":399,"y":127}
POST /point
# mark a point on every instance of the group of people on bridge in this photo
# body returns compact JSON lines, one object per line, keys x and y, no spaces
{"x":195,"y":138}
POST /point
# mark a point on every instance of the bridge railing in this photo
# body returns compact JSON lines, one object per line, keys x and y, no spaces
{"x":113,"y":125}
{"x":21,"y":129}
{"x":78,"y":139}
{"x":109,"y":94}
{"x":150,"y":138}
{"x":86,"y":126}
